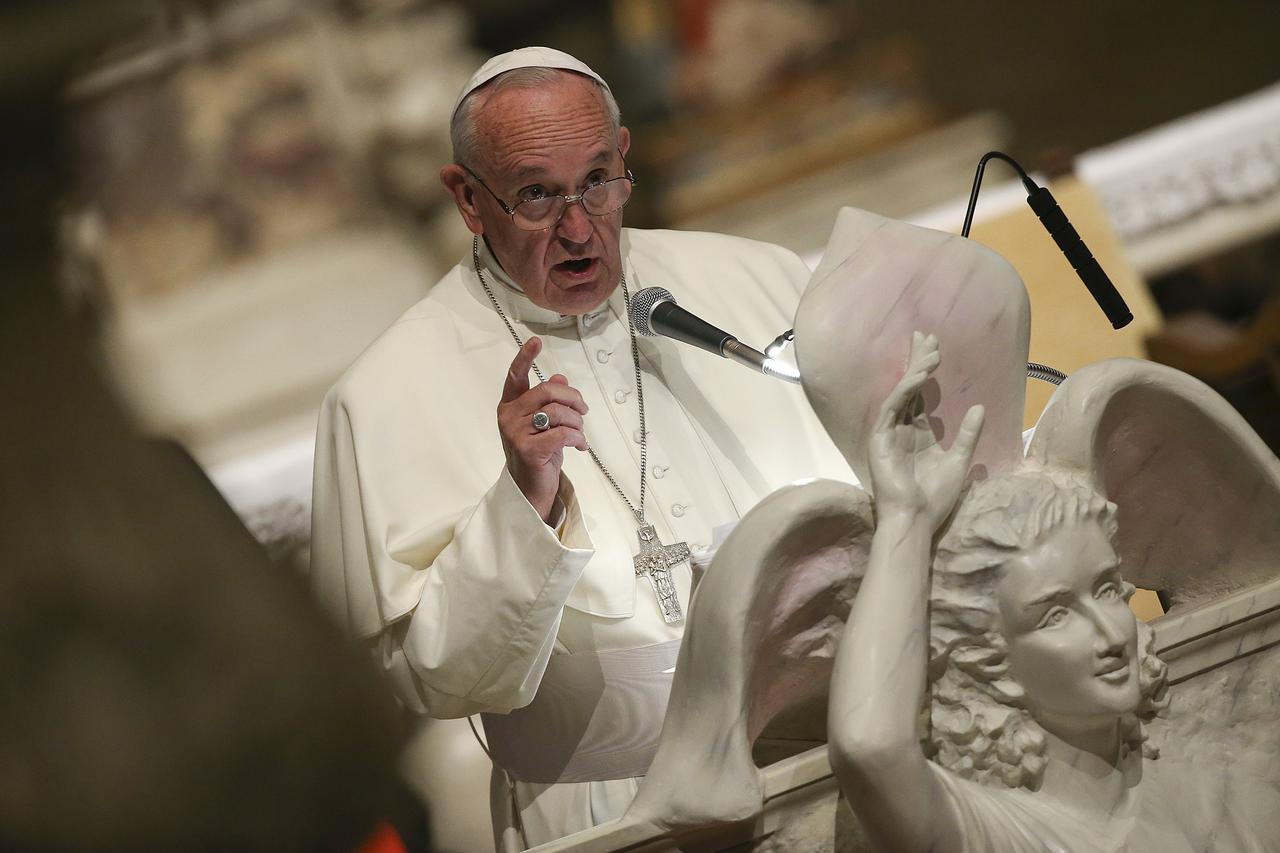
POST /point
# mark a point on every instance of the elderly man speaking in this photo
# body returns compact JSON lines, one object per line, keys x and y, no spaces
{"x":533,"y":566}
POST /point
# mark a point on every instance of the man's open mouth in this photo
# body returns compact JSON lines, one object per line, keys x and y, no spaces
{"x":579,"y":265}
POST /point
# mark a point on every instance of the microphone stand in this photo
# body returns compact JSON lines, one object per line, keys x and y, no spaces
{"x":1060,"y":229}
{"x":1069,"y":243}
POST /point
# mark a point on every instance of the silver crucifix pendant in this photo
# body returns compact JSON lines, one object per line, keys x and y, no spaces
{"x":655,"y":562}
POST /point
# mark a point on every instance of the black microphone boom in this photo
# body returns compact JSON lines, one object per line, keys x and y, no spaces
{"x":1064,"y":234}
{"x":1082,"y":260}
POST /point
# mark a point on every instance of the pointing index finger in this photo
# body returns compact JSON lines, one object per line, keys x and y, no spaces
{"x":518,"y":374}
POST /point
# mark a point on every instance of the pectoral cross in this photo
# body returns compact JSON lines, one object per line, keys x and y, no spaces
{"x":655,"y":562}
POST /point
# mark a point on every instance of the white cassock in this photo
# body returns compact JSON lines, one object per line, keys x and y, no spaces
{"x":423,"y":545}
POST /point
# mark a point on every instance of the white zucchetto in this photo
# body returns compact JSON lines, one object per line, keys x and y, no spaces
{"x":525,"y":57}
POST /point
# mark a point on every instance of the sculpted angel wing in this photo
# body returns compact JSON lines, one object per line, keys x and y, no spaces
{"x":1198,"y":491}
{"x":761,"y":636}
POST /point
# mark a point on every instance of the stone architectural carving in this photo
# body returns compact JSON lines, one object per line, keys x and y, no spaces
{"x":1031,"y":742}
{"x":1195,"y":187}
{"x":1225,"y":156}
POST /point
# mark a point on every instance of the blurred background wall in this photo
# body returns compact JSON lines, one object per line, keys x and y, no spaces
{"x":254,"y":192}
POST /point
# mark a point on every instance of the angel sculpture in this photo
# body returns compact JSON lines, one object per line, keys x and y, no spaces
{"x":1042,"y":678}
{"x":982,"y":585}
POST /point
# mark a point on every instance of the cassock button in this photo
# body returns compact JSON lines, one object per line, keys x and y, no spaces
{"x":637,"y":436}
{"x":602,"y":355}
{"x":678,"y":510}
{"x":620,"y":396}
{"x":659,"y":471}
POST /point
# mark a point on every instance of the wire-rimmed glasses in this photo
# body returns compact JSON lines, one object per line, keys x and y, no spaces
{"x":538,"y":214}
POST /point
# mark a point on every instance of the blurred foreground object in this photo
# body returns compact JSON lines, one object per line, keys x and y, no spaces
{"x":165,"y":687}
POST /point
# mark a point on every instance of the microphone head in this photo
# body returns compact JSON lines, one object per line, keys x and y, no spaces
{"x":641,"y":308}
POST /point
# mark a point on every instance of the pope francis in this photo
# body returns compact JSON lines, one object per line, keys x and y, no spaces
{"x":510,"y":485}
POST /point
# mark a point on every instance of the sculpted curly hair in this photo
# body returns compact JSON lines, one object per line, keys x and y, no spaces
{"x":979,"y":723}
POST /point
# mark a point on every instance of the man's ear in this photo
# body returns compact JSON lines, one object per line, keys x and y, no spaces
{"x":454,"y":179}
{"x":624,"y":140}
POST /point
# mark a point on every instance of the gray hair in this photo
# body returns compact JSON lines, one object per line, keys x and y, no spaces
{"x":462,"y":128}
{"x":980,"y":725}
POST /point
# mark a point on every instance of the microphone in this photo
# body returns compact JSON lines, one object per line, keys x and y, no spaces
{"x":1064,"y":235}
{"x":1082,"y":260}
{"x":653,"y":311}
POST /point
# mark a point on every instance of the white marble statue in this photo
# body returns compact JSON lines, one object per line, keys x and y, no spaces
{"x":1037,"y":676}
{"x":991,"y":691}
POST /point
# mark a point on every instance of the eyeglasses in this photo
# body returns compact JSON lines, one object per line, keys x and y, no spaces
{"x":599,"y":198}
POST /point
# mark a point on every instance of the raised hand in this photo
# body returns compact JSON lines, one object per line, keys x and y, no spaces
{"x":534,"y":457}
{"x":910,"y":473}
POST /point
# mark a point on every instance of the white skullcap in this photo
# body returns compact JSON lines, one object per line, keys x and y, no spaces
{"x":525,"y":57}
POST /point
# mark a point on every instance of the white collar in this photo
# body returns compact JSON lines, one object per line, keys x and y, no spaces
{"x":522,"y":309}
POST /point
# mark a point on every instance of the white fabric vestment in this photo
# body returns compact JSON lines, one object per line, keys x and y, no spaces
{"x":423,"y":544}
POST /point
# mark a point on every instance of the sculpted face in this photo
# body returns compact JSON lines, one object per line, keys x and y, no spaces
{"x":553,"y":139}
{"x":1072,"y":639}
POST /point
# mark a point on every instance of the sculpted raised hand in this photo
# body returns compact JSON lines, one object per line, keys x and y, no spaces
{"x":534,"y":457}
{"x":910,"y":473}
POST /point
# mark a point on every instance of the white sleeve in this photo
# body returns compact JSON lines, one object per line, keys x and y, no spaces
{"x":461,"y":603}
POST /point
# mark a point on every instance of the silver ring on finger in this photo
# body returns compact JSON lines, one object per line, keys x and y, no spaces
{"x":541,"y":421}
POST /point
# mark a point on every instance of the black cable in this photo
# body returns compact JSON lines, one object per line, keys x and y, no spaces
{"x":977,"y":184}
{"x":1035,"y":370}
